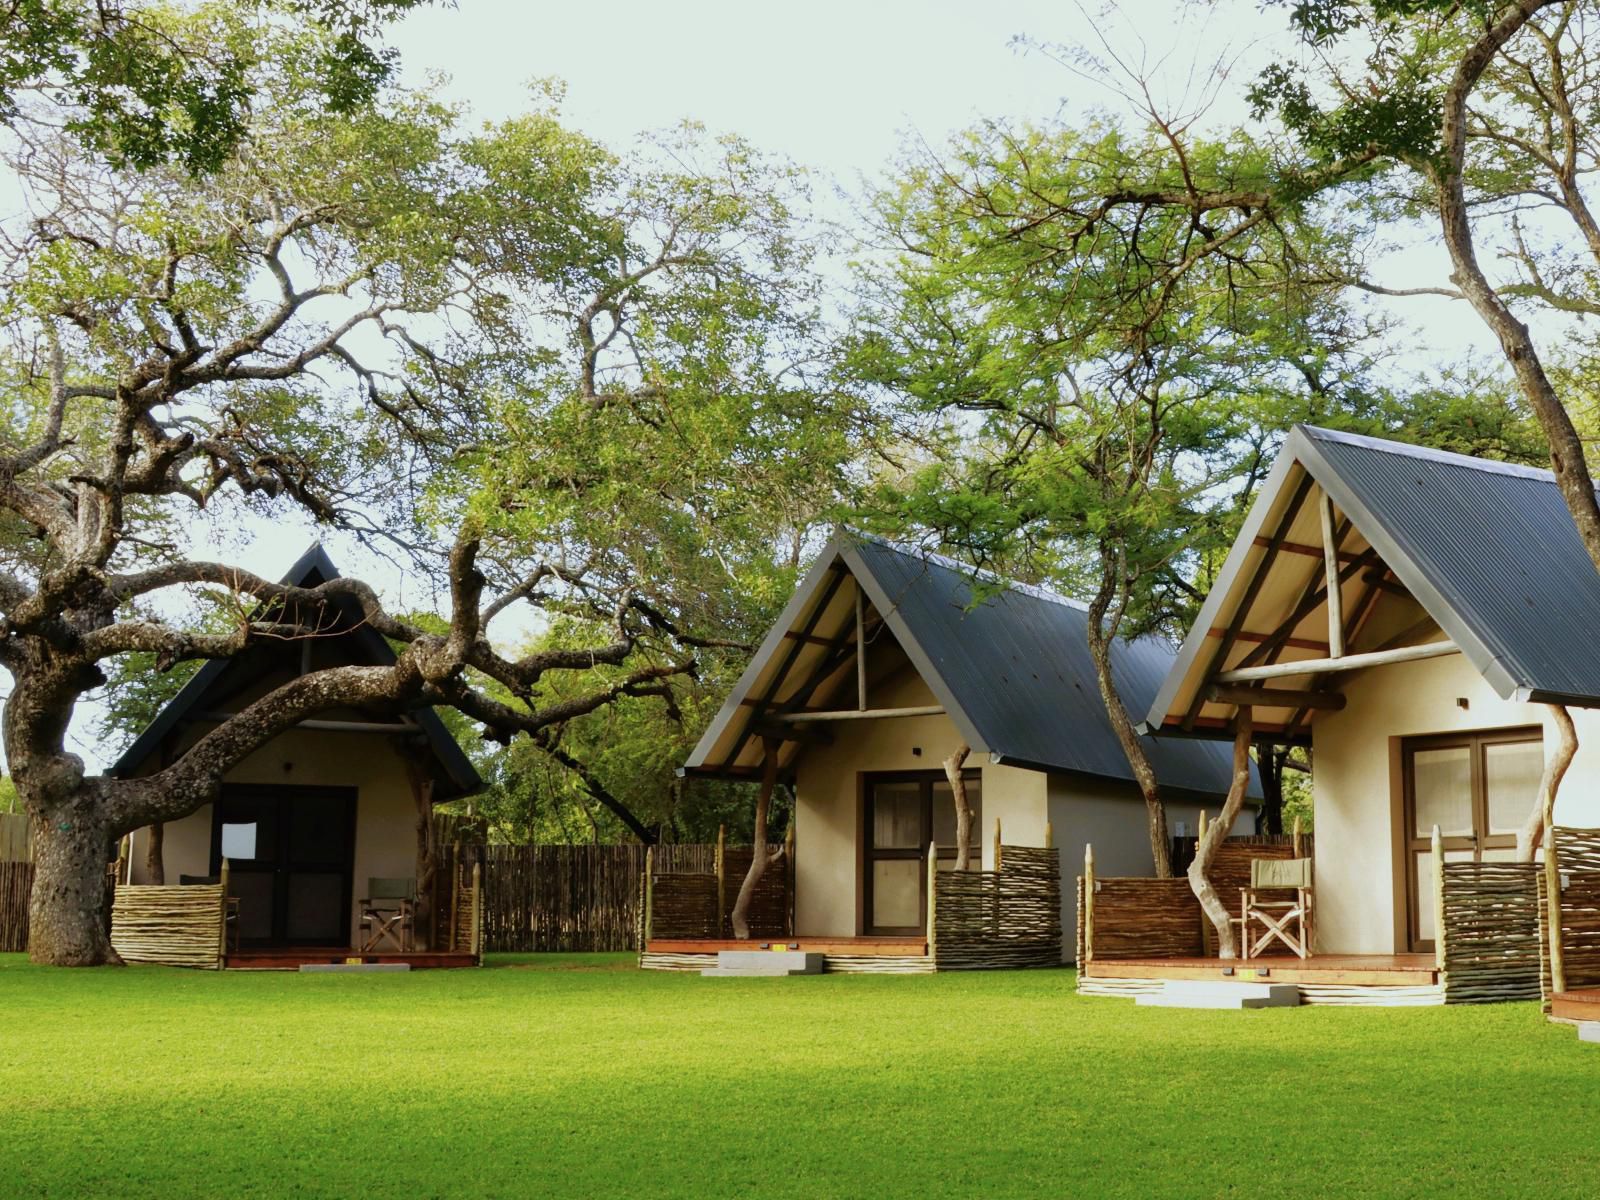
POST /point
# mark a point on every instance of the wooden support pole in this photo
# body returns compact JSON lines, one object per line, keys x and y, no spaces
{"x":649,"y":890}
{"x":1552,"y":891}
{"x":722,"y":880}
{"x":997,"y":851}
{"x":476,"y":932}
{"x":853,"y":714}
{"x":1438,"y":899}
{"x":1350,"y":662}
{"x":1049,"y":835}
{"x":1299,"y":841}
{"x":1088,"y":902}
{"x":1330,"y":559}
{"x":222,"y":916}
{"x":933,"y":892}
{"x":861,"y":649}
{"x":789,"y":867}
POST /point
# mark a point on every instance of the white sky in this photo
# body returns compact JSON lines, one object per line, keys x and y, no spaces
{"x":836,"y":86}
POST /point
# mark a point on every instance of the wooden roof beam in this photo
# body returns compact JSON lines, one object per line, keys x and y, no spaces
{"x":1262,"y":697}
{"x":1350,"y":662}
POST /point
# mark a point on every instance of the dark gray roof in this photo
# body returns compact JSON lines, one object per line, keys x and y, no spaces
{"x":1013,"y":672}
{"x":1489,"y":549}
{"x":459,"y":777}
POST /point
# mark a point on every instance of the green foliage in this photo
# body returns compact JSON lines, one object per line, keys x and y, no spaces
{"x":153,"y":83}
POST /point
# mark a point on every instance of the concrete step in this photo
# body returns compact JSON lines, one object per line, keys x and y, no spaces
{"x":1196,"y":993}
{"x":759,"y":963}
{"x":1589,"y":1031}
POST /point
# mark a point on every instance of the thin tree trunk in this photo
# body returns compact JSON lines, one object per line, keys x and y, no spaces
{"x":1566,"y":447}
{"x":1133,"y":747}
{"x":958,"y":791}
{"x":1206,"y":851}
{"x":155,"y":863}
{"x":66,"y":914}
{"x":1555,"y":768}
{"x":1272,"y":763}
{"x":759,"y":858}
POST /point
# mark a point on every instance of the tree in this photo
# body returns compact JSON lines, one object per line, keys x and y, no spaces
{"x":1476,"y":118}
{"x":1094,"y":396}
{"x":147,"y":92}
{"x":492,"y":355}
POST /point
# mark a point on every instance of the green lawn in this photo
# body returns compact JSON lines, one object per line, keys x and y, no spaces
{"x":580,"y":1076}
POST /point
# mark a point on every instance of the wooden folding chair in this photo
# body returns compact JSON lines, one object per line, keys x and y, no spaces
{"x":1279,"y":901}
{"x":388,"y":913}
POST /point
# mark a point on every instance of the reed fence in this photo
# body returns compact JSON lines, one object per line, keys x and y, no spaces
{"x":686,"y":900}
{"x":1139,"y":917}
{"x":175,"y":926}
{"x":16,"y":888}
{"x":1490,"y":934}
{"x":16,"y":838}
{"x":1010,"y":917}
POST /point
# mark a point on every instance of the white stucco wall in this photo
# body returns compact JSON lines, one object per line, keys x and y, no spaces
{"x":1356,"y":791}
{"x":385,"y":812}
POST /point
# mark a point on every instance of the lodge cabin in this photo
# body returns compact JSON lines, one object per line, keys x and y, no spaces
{"x":309,"y":824}
{"x":885,"y":661}
{"x":1422,"y":621}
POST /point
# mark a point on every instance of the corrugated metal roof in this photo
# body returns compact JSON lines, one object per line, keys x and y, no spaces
{"x":459,"y":776}
{"x":1014,"y":672}
{"x":1487,"y":551}
{"x":1493,"y":543}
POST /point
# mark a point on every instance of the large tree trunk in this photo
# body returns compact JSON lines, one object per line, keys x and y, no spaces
{"x":759,"y":857}
{"x":958,"y":791}
{"x":1206,"y":851}
{"x":1556,"y":763}
{"x":1271,"y":763}
{"x":67,"y":913}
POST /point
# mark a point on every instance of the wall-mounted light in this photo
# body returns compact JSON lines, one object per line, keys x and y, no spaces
{"x":916,"y":752}
{"x":1463,"y":703}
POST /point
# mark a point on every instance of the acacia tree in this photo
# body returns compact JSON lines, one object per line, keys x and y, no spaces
{"x":458,"y":347}
{"x":1095,"y":399}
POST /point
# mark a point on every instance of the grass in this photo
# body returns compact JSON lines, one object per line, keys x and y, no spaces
{"x":581,"y":1076}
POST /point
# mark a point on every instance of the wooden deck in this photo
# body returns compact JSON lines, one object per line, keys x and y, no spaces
{"x":887,"y":947}
{"x":291,"y":958}
{"x":1360,"y":979}
{"x":1575,"y":1006}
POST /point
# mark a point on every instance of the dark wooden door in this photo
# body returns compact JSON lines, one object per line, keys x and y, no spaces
{"x":291,"y":862}
{"x":1478,"y":788}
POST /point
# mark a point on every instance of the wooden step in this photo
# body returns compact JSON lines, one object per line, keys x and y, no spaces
{"x":1576,"y":1006}
{"x":1194,"y":993}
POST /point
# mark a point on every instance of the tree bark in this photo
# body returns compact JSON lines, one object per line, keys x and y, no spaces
{"x":1555,"y":768}
{"x":67,"y":911}
{"x":1206,"y":851}
{"x":155,"y":863}
{"x":1271,"y":763}
{"x":958,"y":791}
{"x":759,"y":857}
{"x":1566,"y":446}
{"x":1133,"y":747}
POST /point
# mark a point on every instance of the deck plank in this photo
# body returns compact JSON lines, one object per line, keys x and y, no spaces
{"x":1353,"y":970}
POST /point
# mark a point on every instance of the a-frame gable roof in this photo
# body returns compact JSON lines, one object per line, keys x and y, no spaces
{"x":1012,"y":671}
{"x":1486,"y":550}
{"x":455,"y":774}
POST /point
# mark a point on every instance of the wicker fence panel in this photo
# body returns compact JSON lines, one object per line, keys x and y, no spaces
{"x":16,"y":889}
{"x":1491,"y":931}
{"x":1005,"y":918}
{"x":176,"y":926}
{"x":683,"y":905}
{"x":1145,"y":918}
{"x":770,"y":907}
